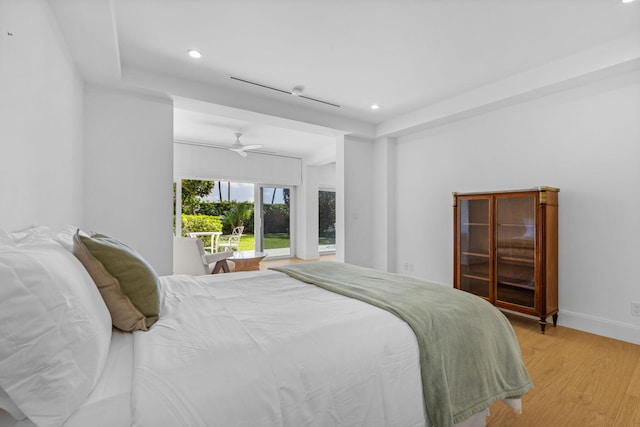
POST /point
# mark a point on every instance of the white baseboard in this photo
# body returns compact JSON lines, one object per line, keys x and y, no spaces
{"x":600,"y":326}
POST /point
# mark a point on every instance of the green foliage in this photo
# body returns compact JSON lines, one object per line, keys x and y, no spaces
{"x":193,"y":191}
{"x":220,"y":209}
{"x":327,"y":213}
{"x":195,"y":223}
{"x":237,"y":214}
{"x":276,"y":219}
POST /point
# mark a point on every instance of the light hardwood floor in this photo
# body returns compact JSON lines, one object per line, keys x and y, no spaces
{"x":580,"y":379}
{"x":284,"y":261}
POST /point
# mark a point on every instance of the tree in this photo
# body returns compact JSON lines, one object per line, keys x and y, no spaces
{"x":193,"y":191}
{"x":327,"y":213}
{"x":285,"y":195}
{"x":237,"y":214}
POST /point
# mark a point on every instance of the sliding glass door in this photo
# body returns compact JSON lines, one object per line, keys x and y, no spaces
{"x":326,"y":221}
{"x":273,"y":234}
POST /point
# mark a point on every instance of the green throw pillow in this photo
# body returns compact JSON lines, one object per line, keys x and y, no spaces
{"x":138,"y":281}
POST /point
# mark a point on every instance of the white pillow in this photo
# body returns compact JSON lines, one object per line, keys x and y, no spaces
{"x":28,"y":233}
{"x":55,"y":330}
{"x":40,"y":233}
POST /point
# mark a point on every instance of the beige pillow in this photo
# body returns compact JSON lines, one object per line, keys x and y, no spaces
{"x":127,"y":283}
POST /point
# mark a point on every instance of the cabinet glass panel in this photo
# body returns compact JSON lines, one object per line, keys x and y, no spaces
{"x":515,"y":250}
{"x":474,"y":246}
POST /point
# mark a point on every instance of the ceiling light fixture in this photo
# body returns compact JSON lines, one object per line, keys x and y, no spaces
{"x":194,"y":53}
{"x":297,"y":90}
{"x":375,"y":106}
{"x":627,"y":1}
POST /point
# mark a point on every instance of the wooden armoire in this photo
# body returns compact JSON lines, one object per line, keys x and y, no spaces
{"x":506,"y":249}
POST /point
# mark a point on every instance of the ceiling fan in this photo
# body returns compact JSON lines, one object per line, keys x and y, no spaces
{"x":242,"y":149}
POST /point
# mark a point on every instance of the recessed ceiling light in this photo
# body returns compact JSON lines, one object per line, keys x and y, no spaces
{"x":375,"y":106}
{"x":194,"y":53}
{"x":627,"y":1}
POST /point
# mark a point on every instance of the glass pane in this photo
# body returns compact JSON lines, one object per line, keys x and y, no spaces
{"x":233,"y":203}
{"x":326,"y":221}
{"x":474,"y":246}
{"x":276,"y":221}
{"x":515,"y":267}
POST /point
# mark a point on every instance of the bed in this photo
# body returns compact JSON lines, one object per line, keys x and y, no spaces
{"x":258,"y":348}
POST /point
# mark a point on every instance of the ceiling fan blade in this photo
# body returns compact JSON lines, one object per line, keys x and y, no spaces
{"x":239,"y":148}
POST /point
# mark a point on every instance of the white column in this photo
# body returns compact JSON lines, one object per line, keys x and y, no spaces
{"x":384,"y":204}
{"x":307,"y":218}
{"x":340,"y":202}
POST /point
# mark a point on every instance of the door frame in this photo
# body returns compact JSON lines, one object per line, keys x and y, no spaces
{"x":258,"y":231}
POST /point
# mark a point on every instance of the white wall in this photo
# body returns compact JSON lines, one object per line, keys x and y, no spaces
{"x":129,"y":171}
{"x":197,"y":162}
{"x":41,"y":114}
{"x":48,"y":176}
{"x":354,"y":206}
{"x":586,"y":141}
{"x":327,"y":176}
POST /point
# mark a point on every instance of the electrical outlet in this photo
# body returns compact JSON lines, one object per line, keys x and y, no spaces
{"x":406,"y":266}
{"x":635,"y":308}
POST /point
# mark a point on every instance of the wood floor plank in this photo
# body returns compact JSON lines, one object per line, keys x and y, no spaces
{"x":580,"y":379}
{"x":629,"y":415}
{"x":267,"y":263}
{"x":634,"y":386}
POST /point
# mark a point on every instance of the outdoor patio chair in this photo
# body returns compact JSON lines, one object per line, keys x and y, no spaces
{"x":233,"y":243}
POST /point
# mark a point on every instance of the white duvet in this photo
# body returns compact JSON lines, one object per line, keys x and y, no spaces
{"x":262,"y":349}
{"x":259,"y":349}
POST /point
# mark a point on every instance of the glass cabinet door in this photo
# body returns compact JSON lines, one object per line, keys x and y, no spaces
{"x":515,"y":250}
{"x":474,"y":252}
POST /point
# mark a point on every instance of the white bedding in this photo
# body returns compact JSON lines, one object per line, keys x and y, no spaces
{"x":112,"y":394}
{"x":263,"y":349}
{"x":108,"y":405}
{"x":259,"y":349}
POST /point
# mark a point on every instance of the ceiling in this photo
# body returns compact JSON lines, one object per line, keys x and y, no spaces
{"x":404,"y":55}
{"x":197,"y":127}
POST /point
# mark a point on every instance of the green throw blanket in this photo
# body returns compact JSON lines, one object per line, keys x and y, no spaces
{"x":469,"y":355}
